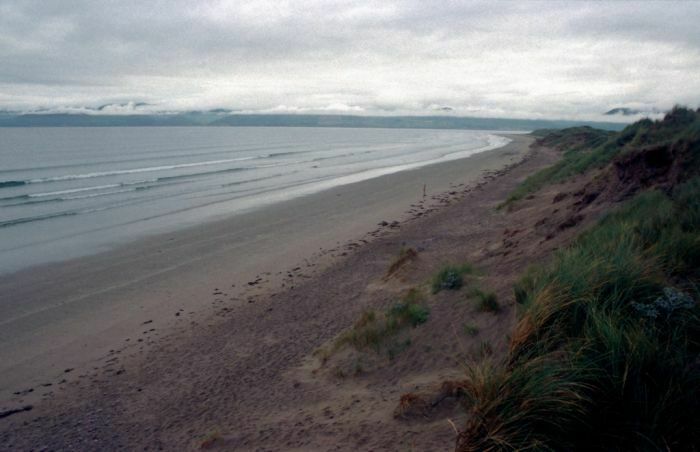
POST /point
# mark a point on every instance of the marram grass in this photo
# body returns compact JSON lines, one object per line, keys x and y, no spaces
{"x":605,"y":355}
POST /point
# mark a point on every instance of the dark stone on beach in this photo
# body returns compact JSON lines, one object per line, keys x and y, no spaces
{"x":70,"y":369}
{"x":24,"y":392}
{"x":383,"y":223}
{"x":15,"y":411}
{"x":147,"y":322}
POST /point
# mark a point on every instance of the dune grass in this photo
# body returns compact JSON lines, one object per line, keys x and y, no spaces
{"x":486,"y":301}
{"x":605,"y":355}
{"x":450,"y":277}
{"x":373,"y":328}
{"x":595,"y":150}
{"x":582,"y":137}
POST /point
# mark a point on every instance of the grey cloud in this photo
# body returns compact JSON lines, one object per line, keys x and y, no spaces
{"x":529,"y":58}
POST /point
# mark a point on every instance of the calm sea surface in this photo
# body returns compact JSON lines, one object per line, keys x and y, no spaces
{"x":66,"y":192}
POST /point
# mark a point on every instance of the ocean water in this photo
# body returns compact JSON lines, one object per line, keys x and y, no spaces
{"x":67,"y":192}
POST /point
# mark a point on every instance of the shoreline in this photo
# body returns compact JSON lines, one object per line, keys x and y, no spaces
{"x":76,"y":312}
{"x":68,"y":239}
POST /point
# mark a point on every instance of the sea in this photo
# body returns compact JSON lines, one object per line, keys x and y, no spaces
{"x":67,"y":192}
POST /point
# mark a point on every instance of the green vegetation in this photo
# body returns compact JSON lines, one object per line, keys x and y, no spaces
{"x":405,"y":256}
{"x":486,"y":301}
{"x":372,"y":329}
{"x":605,"y":356}
{"x":450,"y":277}
{"x":573,"y":138}
{"x":470,"y":330}
{"x":586,"y":148}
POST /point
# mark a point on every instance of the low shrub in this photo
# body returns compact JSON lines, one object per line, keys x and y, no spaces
{"x":372,"y":328}
{"x":450,"y":277}
{"x":486,"y":301}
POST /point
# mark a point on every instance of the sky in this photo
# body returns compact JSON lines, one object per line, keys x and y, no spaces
{"x":520,"y":59}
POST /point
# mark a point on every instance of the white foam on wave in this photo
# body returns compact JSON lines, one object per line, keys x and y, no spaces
{"x":72,"y":190}
{"x":491,"y":142}
{"x":133,"y":170}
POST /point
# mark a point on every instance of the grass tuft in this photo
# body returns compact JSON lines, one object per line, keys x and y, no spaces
{"x":372,"y":329}
{"x":486,"y":301}
{"x":450,"y":277}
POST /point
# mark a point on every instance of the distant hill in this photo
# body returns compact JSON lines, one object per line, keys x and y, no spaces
{"x":106,"y":120}
{"x":224,"y":118}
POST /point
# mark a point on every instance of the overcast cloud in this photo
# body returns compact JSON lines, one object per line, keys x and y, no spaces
{"x":515,"y":59}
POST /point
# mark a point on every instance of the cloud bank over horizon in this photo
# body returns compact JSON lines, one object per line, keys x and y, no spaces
{"x":570,"y":60}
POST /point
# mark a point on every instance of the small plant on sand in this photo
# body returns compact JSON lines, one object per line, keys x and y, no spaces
{"x":486,"y":301}
{"x":470,"y":330}
{"x":372,"y":328}
{"x":367,"y":332}
{"x":405,"y":255}
{"x":450,"y":277}
{"x":411,"y":405}
{"x":410,"y":311}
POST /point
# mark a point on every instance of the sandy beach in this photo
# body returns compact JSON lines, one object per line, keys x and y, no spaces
{"x":226,"y":359}
{"x":74,"y":313}
{"x":214,"y":345}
